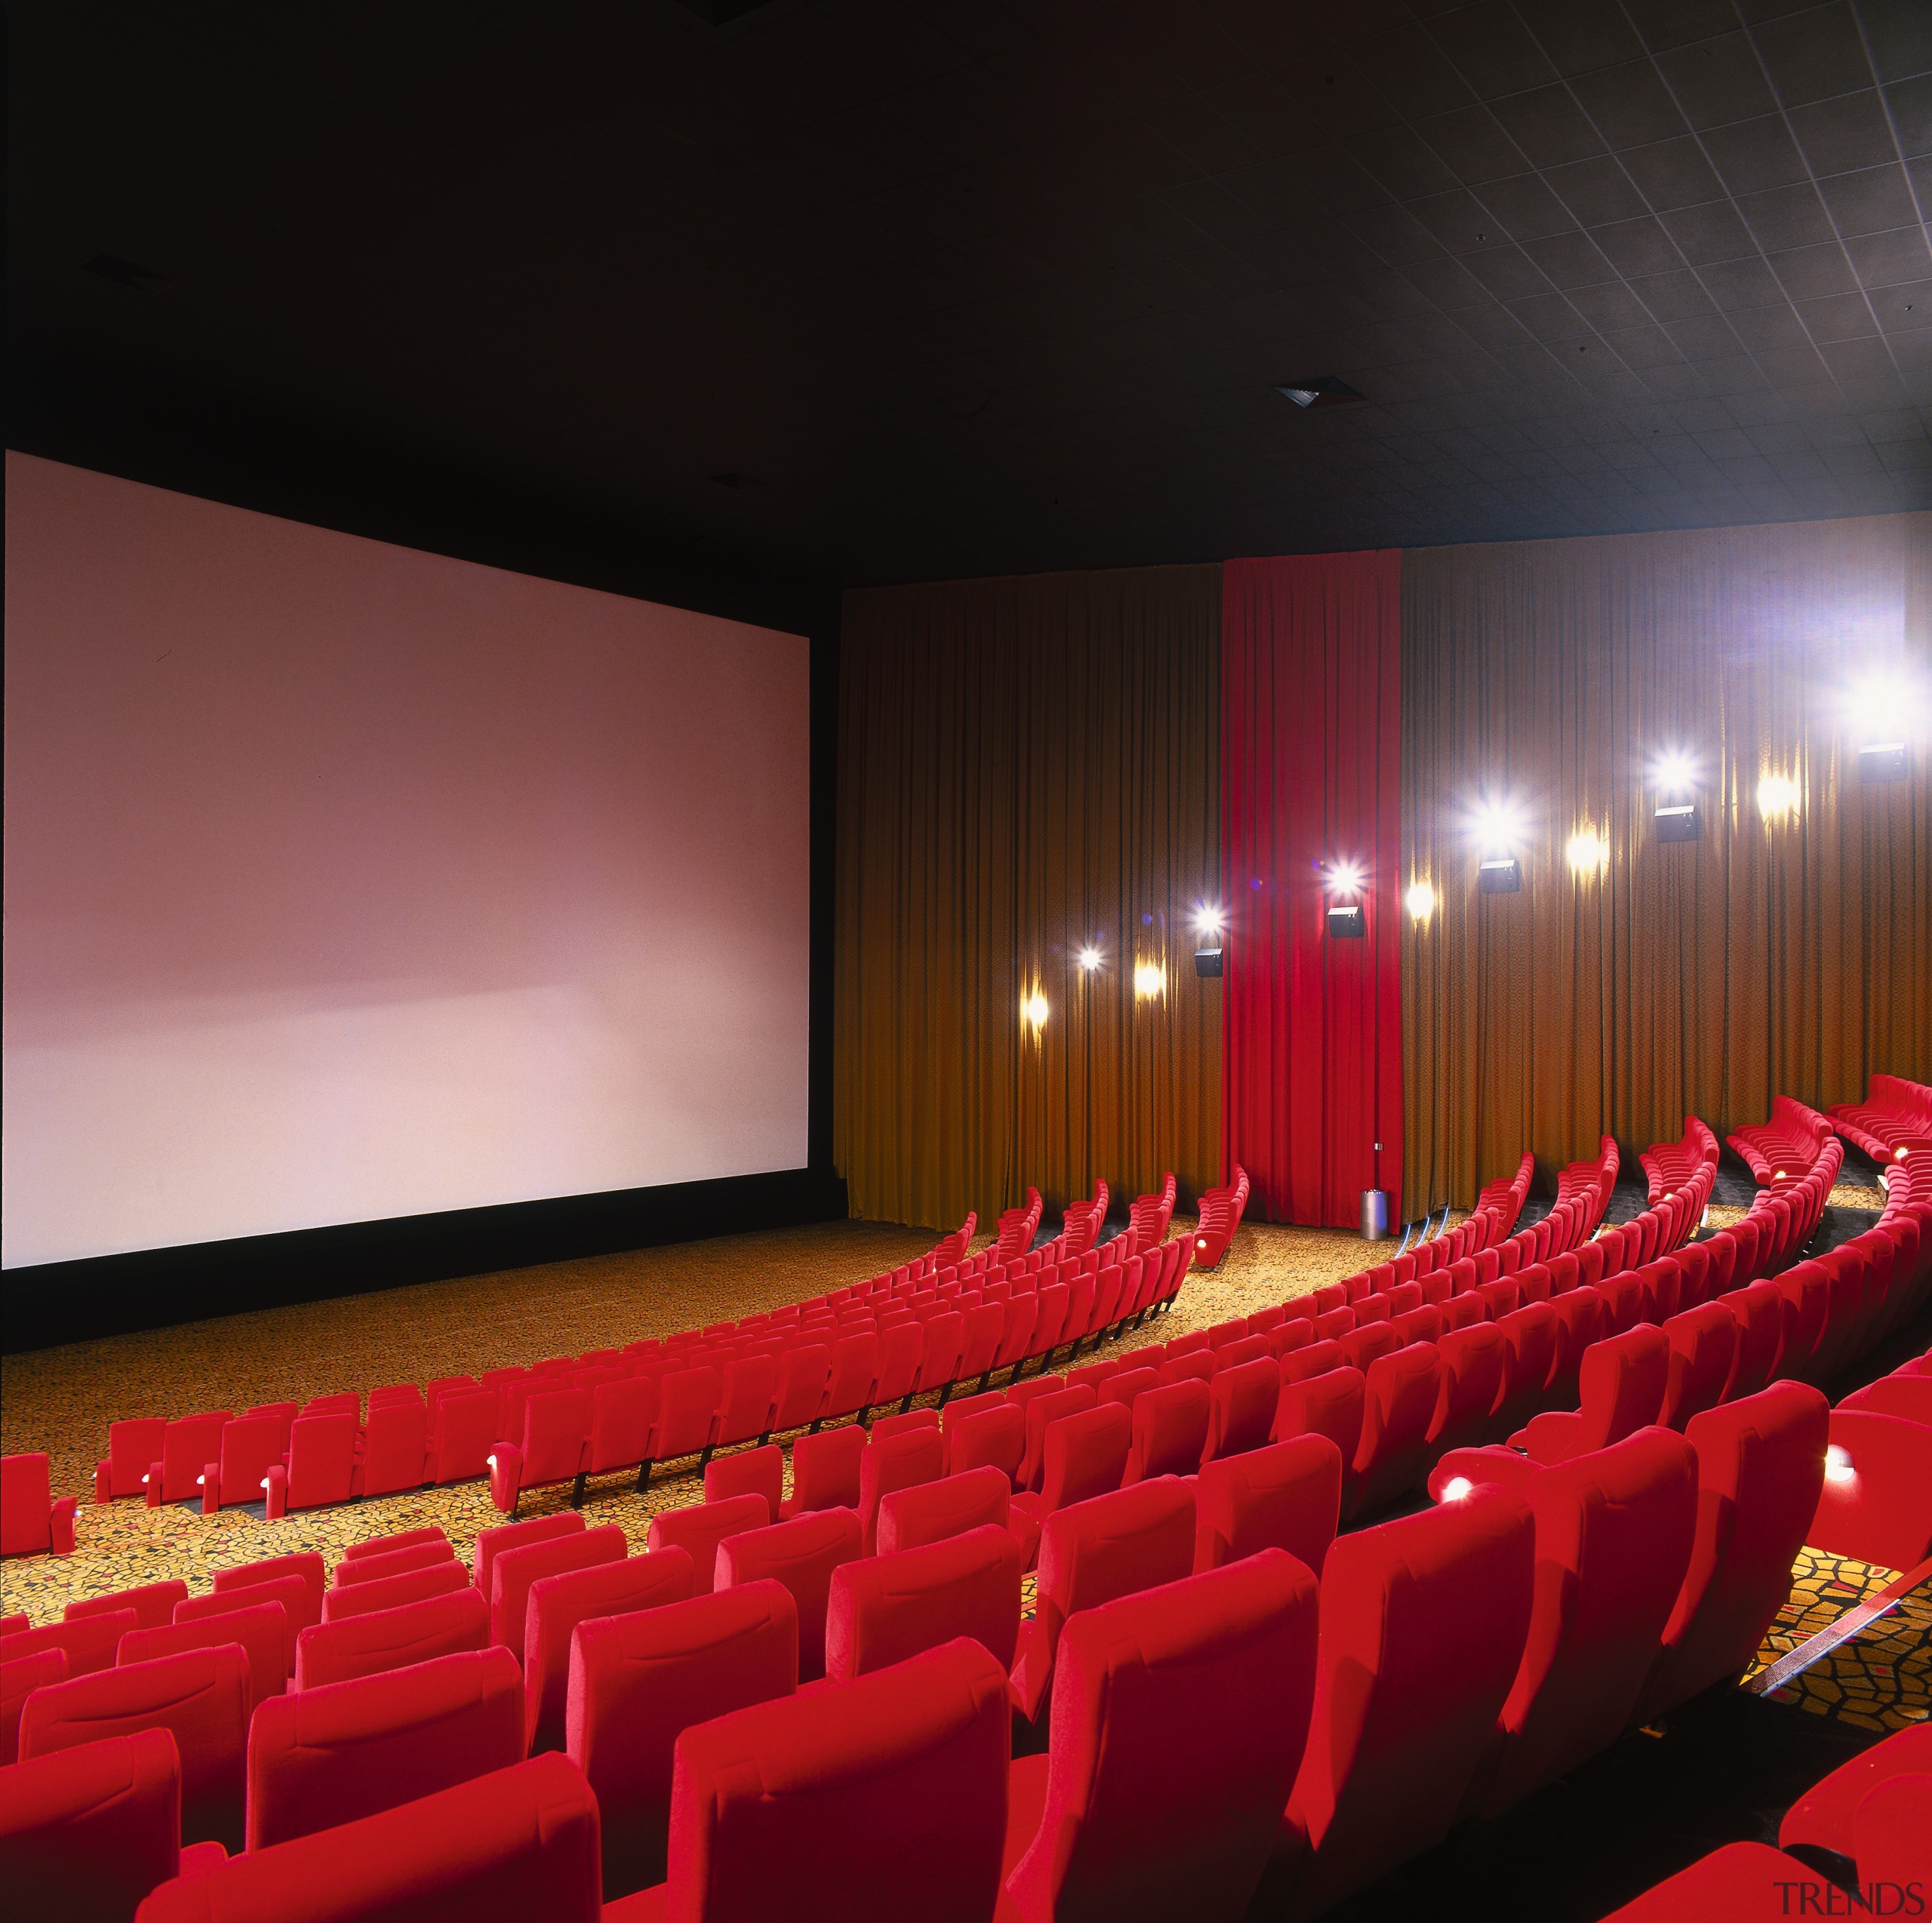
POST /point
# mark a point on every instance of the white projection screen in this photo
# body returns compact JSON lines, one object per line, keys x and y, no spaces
{"x":345,"y":881}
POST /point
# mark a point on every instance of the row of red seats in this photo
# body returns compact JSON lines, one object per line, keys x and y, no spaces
{"x":1169,"y":1637}
{"x":1219,"y":1215}
{"x":1855,"y":1842}
{"x":1895,"y":1118}
{"x":324,"y":1452}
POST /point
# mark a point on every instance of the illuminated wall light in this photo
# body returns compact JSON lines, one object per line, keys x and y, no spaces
{"x":1034,"y":1011}
{"x":1673,"y":772}
{"x":1090,"y":959}
{"x":1149,"y":979}
{"x":1420,"y":900}
{"x":1777,"y":797}
{"x":1209,"y":920}
{"x":1499,"y":825}
{"x":1587,"y":852}
{"x":1345,"y":878}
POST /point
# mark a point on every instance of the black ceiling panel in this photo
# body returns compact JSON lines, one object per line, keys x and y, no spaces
{"x":971,"y":287}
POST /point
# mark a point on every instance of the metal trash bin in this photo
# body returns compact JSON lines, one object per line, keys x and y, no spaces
{"x":1374,"y":1214}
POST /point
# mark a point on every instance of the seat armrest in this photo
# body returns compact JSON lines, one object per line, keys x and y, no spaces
{"x":60,"y":1525}
{"x":103,"y":1482}
{"x":151,"y":1486}
{"x":505,"y":1475}
{"x":275,"y":1483}
{"x":210,"y":1480}
{"x":1550,"y":1436}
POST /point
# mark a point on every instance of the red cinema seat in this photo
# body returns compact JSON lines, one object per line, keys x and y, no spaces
{"x":745,"y":1398}
{"x":825,"y":1471}
{"x":392,"y":1638}
{"x":1758,"y":1308}
{"x":889,"y":1606}
{"x":905,"y":1422}
{"x":18,"y":1681}
{"x":1042,"y":1410}
{"x":1703,"y":1345}
{"x":396,"y":1446}
{"x":88,"y":1642}
{"x":1532,"y":1333}
{"x":1907,"y":1397}
{"x":1214,"y":1675}
{"x":801,"y":1555}
{"x":462,"y":1432}
{"x":491,"y":1543}
{"x":1369,"y":1345}
{"x":187,"y":1444}
{"x":686,"y":1401}
{"x":1287,"y":1496}
{"x":31,"y":1522}
{"x":898,"y":1461}
{"x":250,"y":1446}
{"x":1614,"y":1529}
{"x":1110,"y":1546}
{"x":1168,"y":1430}
{"x":624,"y":1410}
{"x":1622,"y":1380}
{"x":855,"y":1368}
{"x":1130,"y":1384}
{"x":1423,"y":1621}
{"x":1399,"y":1403}
{"x":1875,"y":1504}
{"x":1580,"y":1320}
{"x":514,"y":1570}
{"x":201,"y":1698}
{"x":901,"y":1350}
{"x":305,"y":1563}
{"x":991,"y":1438}
{"x":804,"y":1376}
{"x":392,"y":1562}
{"x":1760,"y":1464}
{"x":883,"y":1796}
{"x":261,"y":1631}
{"x":517,"y":1843}
{"x":638,"y":1681}
{"x":323,"y":1757}
{"x":152,"y":1603}
{"x":1821,"y":1821}
{"x":1735,"y":1885}
{"x":558,"y":1603}
{"x":699,"y":1529}
{"x":134,"y":1445}
{"x":1474,"y":1365}
{"x":930,"y":1512}
{"x":954,"y":1413}
{"x":363,"y":1599}
{"x":1330,"y":1403}
{"x":289,"y":1592}
{"x":320,"y":1467}
{"x":1241,"y":1408}
{"x":1087,"y":1453}
{"x":555,"y":1448}
{"x":751,"y":1472}
{"x":86,"y":1833}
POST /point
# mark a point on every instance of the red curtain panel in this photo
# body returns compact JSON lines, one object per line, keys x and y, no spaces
{"x":1311,"y":788}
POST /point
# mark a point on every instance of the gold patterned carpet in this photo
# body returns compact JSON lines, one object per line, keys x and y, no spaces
{"x":61,"y":1400}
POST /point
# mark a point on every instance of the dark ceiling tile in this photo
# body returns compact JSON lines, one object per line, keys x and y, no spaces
{"x":1745,"y":283}
{"x":1448,"y":283}
{"x":1507,"y":272}
{"x":1906,"y":309}
{"x":1403,"y":162}
{"x":1630,"y":105}
{"x":1571,"y":259}
{"x":1643,"y":347}
{"x":1718,"y":80}
{"x":1671,"y":23}
{"x":1474,"y":144}
{"x":1809,"y":273}
{"x":1457,"y":220}
{"x":1611,"y":305}
{"x":1410,"y":72}
{"x":1788,"y":217}
{"x":1675,"y":383}
{"x":1549,"y":126}
{"x":1762,"y":329}
{"x":1713,"y":232}
{"x":1672,"y":174}
{"x":1578,"y":36}
{"x":1869,"y":360}
{"x":1549,"y":317}
{"x":1837,"y":317}
{"x":1840,"y":134}
{"x":1597,"y":191}
{"x":1754,"y":154}
{"x":1491,"y":49}
{"x":1890,"y":260}
{"x":1672,"y":297}
{"x":1703,"y":338}
{"x":1814,"y":54}
{"x":1788,"y":368}
{"x":1868,"y":202}
{"x":1920,"y":170}
{"x":1395,"y":234}
{"x":1912,"y":113}
{"x":1637,"y":247}
{"x":1776,"y":438}
{"x":1525,"y":207}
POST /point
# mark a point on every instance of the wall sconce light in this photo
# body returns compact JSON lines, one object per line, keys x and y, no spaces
{"x":1777,"y":797}
{"x":1149,"y":979}
{"x":1587,"y":852}
{"x":1420,"y":901}
{"x":1034,"y":1011}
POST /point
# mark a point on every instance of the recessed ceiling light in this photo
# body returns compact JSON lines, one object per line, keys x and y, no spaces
{"x":1322,"y":391}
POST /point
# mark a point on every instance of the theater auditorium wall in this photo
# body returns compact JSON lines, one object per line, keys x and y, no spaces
{"x":1028,"y":765}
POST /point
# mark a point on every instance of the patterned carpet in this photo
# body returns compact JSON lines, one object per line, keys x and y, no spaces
{"x":62,"y":1400}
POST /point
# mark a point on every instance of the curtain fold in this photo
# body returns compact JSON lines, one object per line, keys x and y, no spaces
{"x":1311,"y":744}
{"x":1786,"y":953}
{"x":1027,"y":766}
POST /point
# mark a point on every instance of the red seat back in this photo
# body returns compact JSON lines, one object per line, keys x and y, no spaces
{"x":1241,"y":1400}
{"x":1399,"y":1403}
{"x":930,"y":1512}
{"x":361,"y":1598}
{"x":750,"y":1472}
{"x":326,"y":1756}
{"x":322,"y":1459}
{"x":801,"y":1555}
{"x":1169,"y":1430}
{"x":153,"y":1604}
{"x":892,"y":1606}
{"x":699,"y":1529}
{"x":492,"y":1542}
{"x":261,"y":1630}
{"x":825,"y":1470}
{"x":392,"y":1638}
{"x":1287,"y":1496}
{"x":514,"y":1570}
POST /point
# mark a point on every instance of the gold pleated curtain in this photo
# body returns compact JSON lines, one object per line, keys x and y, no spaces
{"x":1788,"y":955}
{"x":1027,"y":766}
